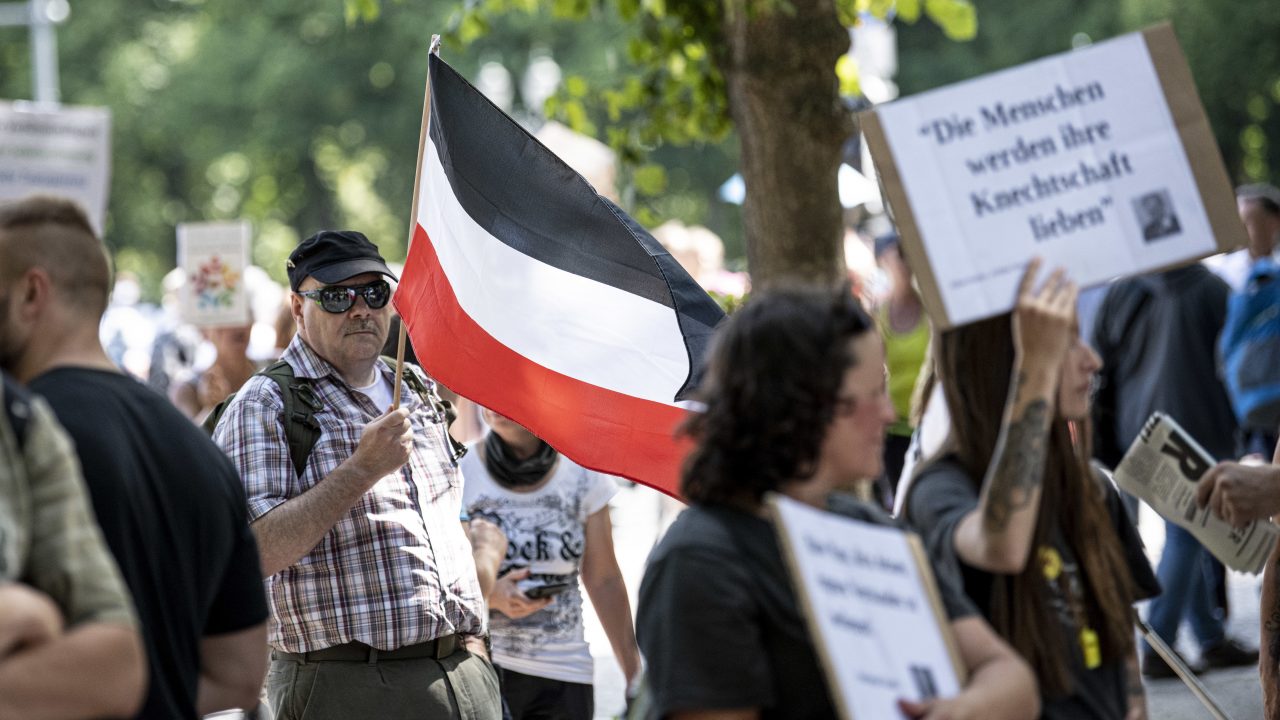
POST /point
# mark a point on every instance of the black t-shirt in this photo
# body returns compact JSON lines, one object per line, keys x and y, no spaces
{"x":719,"y":624}
{"x":942,"y":494}
{"x":173,"y":512}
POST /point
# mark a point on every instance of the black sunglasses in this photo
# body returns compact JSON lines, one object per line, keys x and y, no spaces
{"x":339,"y":298}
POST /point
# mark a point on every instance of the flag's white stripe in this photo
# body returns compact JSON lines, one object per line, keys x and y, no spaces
{"x":567,"y":323}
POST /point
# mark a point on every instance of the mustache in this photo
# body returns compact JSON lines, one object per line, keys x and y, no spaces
{"x":360,"y":326}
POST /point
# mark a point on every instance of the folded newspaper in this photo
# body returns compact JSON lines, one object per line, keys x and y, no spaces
{"x":1162,"y":467}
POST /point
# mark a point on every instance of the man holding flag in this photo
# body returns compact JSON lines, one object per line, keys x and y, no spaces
{"x":376,"y":608}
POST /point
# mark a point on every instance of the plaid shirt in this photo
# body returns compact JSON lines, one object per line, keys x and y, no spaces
{"x":396,"y":570}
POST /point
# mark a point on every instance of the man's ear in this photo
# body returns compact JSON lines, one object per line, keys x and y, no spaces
{"x":295,"y":308}
{"x":33,"y":292}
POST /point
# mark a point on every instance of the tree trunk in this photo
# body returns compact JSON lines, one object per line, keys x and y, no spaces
{"x":784,"y":99}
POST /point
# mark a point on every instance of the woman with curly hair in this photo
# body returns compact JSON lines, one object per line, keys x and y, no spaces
{"x":1043,"y":543}
{"x":796,"y":403}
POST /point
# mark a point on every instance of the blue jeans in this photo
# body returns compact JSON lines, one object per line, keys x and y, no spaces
{"x":1188,"y":591}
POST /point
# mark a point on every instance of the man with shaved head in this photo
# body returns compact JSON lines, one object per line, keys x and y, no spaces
{"x":170,"y":504}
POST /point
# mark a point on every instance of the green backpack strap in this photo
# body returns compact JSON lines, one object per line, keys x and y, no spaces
{"x":442,"y":408}
{"x":301,"y":429}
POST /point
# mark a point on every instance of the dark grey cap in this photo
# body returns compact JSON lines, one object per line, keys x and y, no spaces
{"x":332,"y":256}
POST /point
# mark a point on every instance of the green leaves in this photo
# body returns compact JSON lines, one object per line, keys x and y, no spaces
{"x":650,"y":179}
{"x":957,"y":18}
{"x":847,"y":74}
{"x":362,"y":10}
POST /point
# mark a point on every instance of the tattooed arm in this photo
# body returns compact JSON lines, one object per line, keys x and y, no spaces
{"x":998,"y":534}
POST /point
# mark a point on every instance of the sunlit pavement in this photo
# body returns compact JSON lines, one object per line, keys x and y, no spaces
{"x":637,"y":516}
{"x":1237,"y":689}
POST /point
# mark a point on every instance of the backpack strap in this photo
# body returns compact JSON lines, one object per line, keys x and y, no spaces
{"x":443,"y":409}
{"x":301,"y":429}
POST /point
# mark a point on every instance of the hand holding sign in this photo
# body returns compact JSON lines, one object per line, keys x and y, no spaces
{"x":1042,"y":319}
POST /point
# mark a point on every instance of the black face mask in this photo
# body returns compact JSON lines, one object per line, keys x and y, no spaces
{"x":511,"y":472}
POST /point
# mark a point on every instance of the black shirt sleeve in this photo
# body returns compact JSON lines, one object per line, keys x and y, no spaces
{"x":239,"y":601}
{"x":955,"y":602}
{"x":940,"y":497}
{"x":698,"y":630}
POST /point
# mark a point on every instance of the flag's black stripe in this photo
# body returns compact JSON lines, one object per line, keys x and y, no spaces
{"x":526,"y":197}
{"x":529,"y":199}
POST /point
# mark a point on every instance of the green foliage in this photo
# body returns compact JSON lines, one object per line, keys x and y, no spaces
{"x":729,"y":303}
{"x":1235,"y":59}
{"x":296,"y":116}
{"x":672,"y":90}
{"x":957,"y":18}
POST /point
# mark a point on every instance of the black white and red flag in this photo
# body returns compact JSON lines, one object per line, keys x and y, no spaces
{"x":532,"y":295}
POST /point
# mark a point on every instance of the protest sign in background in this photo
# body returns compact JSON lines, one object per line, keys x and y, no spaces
{"x":873,"y":608}
{"x":64,"y":152}
{"x":213,"y":257}
{"x":1100,"y":160}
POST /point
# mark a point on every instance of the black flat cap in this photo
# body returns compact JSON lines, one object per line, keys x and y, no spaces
{"x":332,"y":256}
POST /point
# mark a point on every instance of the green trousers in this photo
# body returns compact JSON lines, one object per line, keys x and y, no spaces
{"x":462,"y":686}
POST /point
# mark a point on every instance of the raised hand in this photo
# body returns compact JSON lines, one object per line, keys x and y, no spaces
{"x":1044,"y":319}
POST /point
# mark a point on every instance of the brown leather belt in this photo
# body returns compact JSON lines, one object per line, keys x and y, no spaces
{"x":359,"y":652}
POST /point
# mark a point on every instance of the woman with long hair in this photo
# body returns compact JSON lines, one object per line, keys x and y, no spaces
{"x":1043,"y":542}
{"x":796,"y":403}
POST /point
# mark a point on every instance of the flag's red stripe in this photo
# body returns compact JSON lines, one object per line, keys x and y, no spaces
{"x":597,"y":428}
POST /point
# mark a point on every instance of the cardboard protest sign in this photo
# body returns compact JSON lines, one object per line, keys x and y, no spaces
{"x":873,"y":607}
{"x":1100,"y":160}
{"x":64,"y":151}
{"x":213,"y":257}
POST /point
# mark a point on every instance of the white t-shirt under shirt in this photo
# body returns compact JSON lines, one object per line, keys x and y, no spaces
{"x":379,"y":392}
{"x":546,"y":532}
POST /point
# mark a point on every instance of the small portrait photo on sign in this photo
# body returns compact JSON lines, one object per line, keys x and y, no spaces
{"x":925,"y":686}
{"x":1156,"y":216}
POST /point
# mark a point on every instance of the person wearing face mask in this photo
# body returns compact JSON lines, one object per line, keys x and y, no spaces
{"x":555,"y":514}
{"x":1042,"y":540}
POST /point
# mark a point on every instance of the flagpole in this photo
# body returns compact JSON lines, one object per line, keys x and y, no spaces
{"x":1180,"y":668}
{"x":433,"y":49}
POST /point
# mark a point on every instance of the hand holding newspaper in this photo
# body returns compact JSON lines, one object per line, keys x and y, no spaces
{"x":1162,"y":467}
